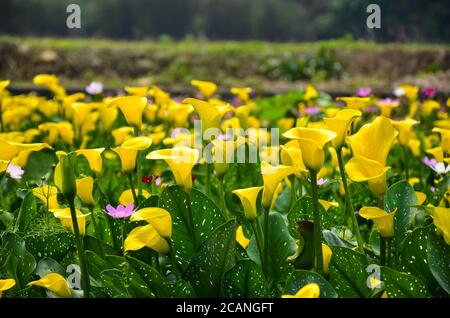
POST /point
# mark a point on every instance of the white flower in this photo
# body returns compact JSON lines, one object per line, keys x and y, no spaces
{"x":15,"y":172}
{"x":440,"y":168}
{"x":94,"y":88}
{"x":399,"y":92}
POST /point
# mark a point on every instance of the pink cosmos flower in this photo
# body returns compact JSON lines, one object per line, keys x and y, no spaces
{"x":431,"y":163}
{"x":15,"y":172}
{"x":363,"y":92}
{"x":321,"y":181}
{"x":121,"y":211}
{"x":312,"y":110}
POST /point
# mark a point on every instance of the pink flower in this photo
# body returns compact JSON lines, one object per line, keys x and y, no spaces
{"x":431,"y":163}
{"x":15,"y":172}
{"x":94,"y":88}
{"x":363,"y":92}
{"x":158,"y":181}
{"x":429,"y":92}
{"x":321,"y":181}
{"x":313,"y":110}
{"x":121,"y":211}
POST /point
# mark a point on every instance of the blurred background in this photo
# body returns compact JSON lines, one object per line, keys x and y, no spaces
{"x":271,"y":45}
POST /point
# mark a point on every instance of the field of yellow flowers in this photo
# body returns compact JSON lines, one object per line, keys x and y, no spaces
{"x":296,"y":196}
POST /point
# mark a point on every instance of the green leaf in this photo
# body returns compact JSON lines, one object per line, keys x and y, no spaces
{"x":281,"y":246}
{"x":39,"y":164}
{"x":245,"y":280}
{"x":214,"y":258}
{"x":402,"y":285}
{"x":150,"y":202}
{"x":47,"y":266}
{"x":348,"y":273}
{"x":207,"y":217}
{"x":438,"y":253}
{"x":55,"y":245}
{"x":401,"y":196}
{"x":98,"y":246}
{"x":332,"y":239}
{"x":27,"y":212}
{"x":303,"y":211}
{"x":414,"y":259}
{"x":300,"y":278}
{"x":159,"y":286}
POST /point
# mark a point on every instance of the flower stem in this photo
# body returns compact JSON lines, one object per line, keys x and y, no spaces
{"x":257,"y":231}
{"x":207,"y":179}
{"x":139,"y":173}
{"x":265,"y":258}
{"x":405,"y":154}
{"x":348,"y":199}
{"x":80,"y":249}
{"x":293,"y":192}
{"x":190,"y":219}
{"x":96,"y":228}
{"x":382,"y":251}
{"x":133,"y":189}
{"x":223,"y":206}
{"x":317,"y":228}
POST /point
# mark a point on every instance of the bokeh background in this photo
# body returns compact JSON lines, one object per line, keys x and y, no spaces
{"x":271,"y":45}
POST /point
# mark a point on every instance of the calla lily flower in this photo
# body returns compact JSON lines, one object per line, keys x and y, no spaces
{"x":131,"y":107}
{"x":55,"y":283}
{"x":421,"y":197}
{"x":243,"y":114}
{"x":404,"y":128}
{"x":429,"y":106}
{"x":223,"y":154}
{"x":207,"y":89}
{"x":240,"y":238}
{"x":137,"y":91}
{"x":65,"y":218}
{"x":243,"y":93}
{"x":445,"y":138}
{"x":341,"y":124}
{"x":210,"y":115}
{"x":327,"y":253}
{"x":248,"y":198}
{"x":126,"y":196}
{"x":312,"y":142}
{"x":310,"y":93}
{"x":48,"y":195}
{"x":181,"y":161}
{"x":85,"y":186}
{"x":122,"y":134}
{"x":94,"y":158}
{"x":272,"y":176}
{"x":153,"y":234}
{"x":328,"y":204}
{"x":159,"y":218}
{"x":438,"y":154}
{"x":107,"y":116}
{"x":129,"y":149}
{"x":441,"y":218}
{"x":362,"y":169}
{"x":6,"y":284}
{"x":311,"y":290}
{"x":355,"y":102}
{"x":387,"y":105}
{"x":4,"y":85}
{"x":383,"y":219}
{"x":9,"y":150}
{"x":291,"y":155}
{"x":56,"y":130}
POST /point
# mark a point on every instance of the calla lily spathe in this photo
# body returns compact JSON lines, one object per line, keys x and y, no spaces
{"x":441,"y":219}
{"x":311,"y":290}
{"x":445,"y":138}
{"x":129,"y":149}
{"x":159,"y":218}
{"x":210,"y":115}
{"x":272,"y":177}
{"x":362,"y":169}
{"x":291,"y":155}
{"x":131,"y":107}
{"x":312,"y":142}
{"x":181,"y":161}
{"x":242,"y":92}
{"x":383,"y":220}
{"x":355,"y":102}
{"x":65,"y":218}
{"x":341,"y":124}
{"x":405,"y":130}
{"x":6,"y":284}
{"x":55,"y":283}
{"x":94,"y":158}
{"x":85,"y":187}
{"x":248,"y":198}
{"x":241,"y":239}
{"x":48,"y":195}
{"x":207,"y":89}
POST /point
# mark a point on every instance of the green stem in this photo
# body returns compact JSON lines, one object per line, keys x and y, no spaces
{"x":80,"y":249}
{"x":139,"y":173}
{"x":265,"y":259}
{"x":405,"y":154}
{"x":257,"y":232}
{"x":223,"y":206}
{"x":208,"y":179}
{"x":388,"y":252}
{"x":190,"y":219}
{"x":133,"y":189}
{"x":382,"y":251}
{"x":317,"y":228}
{"x":96,"y":228}
{"x":293,"y":192}
{"x":349,"y":204}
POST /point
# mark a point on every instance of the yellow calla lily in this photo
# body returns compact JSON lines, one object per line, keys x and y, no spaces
{"x":207,"y":89}
{"x":248,"y":198}
{"x":361,"y":169}
{"x":341,"y":124}
{"x":327,"y":253}
{"x":414,"y":146}
{"x":159,"y":218}
{"x":355,"y":102}
{"x":311,"y":290}
{"x":312,"y":141}
{"x":129,"y":149}
{"x":137,"y":143}
{"x":421,"y":197}
{"x":9,"y":150}
{"x":429,"y":106}
{"x":131,"y":107}
{"x":146,"y":236}
{"x":437,"y":152}
{"x":85,"y":186}
{"x":272,"y":176}
{"x":107,"y":116}
{"x":327,"y":204}
{"x":68,"y":102}
{"x":386,"y":106}
{"x":291,"y":155}
{"x":374,"y":140}
{"x":48,"y":195}
{"x":210,"y":115}
{"x":181,"y":161}
{"x":126,"y":197}
{"x":242,"y":92}
{"x":445,"y":138}
{"x":122,"y":134}
{"x":94,"y":158}
{"x":56,"y":130}
{"x":4,"y":85}
{"x":441,"y":218}
{"x":140,"y":91}
{"x":6,"y":284}
{"x":65,"y":218}
{"x":310,"y":93}
{"x":223,"y":154}
{"x":383,"y":219}
{"x":243,"y":114}
{"x":404,"y":128}
{"x":240,"y":237}
{"x":410,"y":91}
{"x":55,"y":283}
